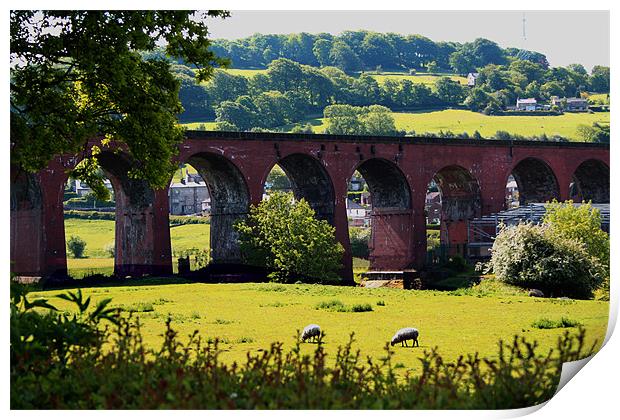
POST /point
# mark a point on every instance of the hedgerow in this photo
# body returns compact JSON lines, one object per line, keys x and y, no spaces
{"x":97,"y":359}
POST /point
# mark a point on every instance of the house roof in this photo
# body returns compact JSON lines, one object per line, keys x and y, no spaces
{"x":526,"y":101}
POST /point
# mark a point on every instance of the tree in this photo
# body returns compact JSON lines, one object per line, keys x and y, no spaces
{"x":76,"y":246}
{"x":449,"y":91}
{"x":343,"y":119}
{"x":581,"y":223}
{"x":599,"y":80}
{"x":477,"y":99}
{"x":343,"y":57}
{"x":277,"y":180}
{"x":77,"y":74}
{"x":321,"y":50}
{"x":237,"y":114}
{"x":378,"y":121}
{"x":285,"y":236}
{"x":534,"y":256}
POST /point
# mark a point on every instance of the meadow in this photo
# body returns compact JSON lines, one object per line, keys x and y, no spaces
{"x":100,"y":233}
{"x":248,"y":317}
{"x":459,"y":121}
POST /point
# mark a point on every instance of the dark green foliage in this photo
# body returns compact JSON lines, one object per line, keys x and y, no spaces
{"x":74,"y":362}
{"x":456,"y":263}
{"x":359,"y":238}
{"x":76,"y":246}
{"x":545,"y":323}
{"x":86,"y":78}
{"x":338,"y":306}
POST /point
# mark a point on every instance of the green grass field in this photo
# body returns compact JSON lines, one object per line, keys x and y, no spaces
{"x":418,"y":78}
{"x":248,"y":317}
{"x":99,"y":233}
{"x":459,"y":121}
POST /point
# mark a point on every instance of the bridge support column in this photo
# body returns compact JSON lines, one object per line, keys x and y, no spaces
{"x":142,"y":231}
{"x":341,"y":224}
{"x":419,"y":233}
{"x":390,"y":248}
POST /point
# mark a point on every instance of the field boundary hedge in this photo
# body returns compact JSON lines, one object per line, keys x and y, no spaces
{"x":101,"y":215}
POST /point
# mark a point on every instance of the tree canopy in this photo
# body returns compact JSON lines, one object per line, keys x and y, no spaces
{"x":79,"y":74}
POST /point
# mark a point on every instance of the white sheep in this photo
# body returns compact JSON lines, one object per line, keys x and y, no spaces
{"x":536,"y":293}
{"x":405,"y":334}
{"x":311,"y":331}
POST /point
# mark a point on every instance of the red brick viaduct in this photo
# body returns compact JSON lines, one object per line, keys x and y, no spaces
{"x":471,"y":175}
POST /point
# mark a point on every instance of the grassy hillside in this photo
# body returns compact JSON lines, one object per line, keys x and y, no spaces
{"x":459,"y":121}
{"x":248,"y":317}
{"x":418,"y":78}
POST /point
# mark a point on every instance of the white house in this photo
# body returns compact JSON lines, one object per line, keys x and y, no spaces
{"x":357,"y":215}
{"x":471,"y":79}
{"x":82,"y":188}
{"x":528,"y":104}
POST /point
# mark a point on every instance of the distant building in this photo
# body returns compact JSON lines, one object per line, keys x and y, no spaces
{"x":357,"y":215}
{"x":570,"y":104}
{"x":528,"y":104}
{"x":471,"y":79}
{"x":82,"y":188}
{"x":356,"y":183}
{"x":190,"y":196}
{"x":433,"y":207}
{"x":512,"y":193}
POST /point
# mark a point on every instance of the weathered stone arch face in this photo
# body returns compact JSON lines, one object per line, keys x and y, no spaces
{"x":460,"y":202}
{"x":311,"y":182}
{"x":391,"y":217}
{"x":387,"y":184}
{"x":135,"y":201}
{"x":460,"y":194}
{"x":536,"y":181}
{"x":591,"y":182}
{"x":230,"y":201}
{"x":27,"y":240}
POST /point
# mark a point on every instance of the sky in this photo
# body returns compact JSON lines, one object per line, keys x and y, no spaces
{"x":565,"y":37}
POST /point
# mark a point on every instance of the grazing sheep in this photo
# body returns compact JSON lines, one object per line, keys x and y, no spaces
{"x":537,"y":293}
{"x":311,"y":331}
{"x":405,"y":334}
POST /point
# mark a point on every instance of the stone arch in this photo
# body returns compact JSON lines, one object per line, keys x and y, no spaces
{"x":591,"y":182}
{"x":230,"y":201}
{"x":310,"y":181}
{"x":387,"y":184}
{"x":136,"y":241}
{"x":391,"y":216}
{"x":536,"y":181}
{"x":461,"y":201}
{"x":460,"y":193}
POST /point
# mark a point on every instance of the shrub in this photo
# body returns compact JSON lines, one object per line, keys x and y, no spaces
{"x":110,"y":249}
{"x":532,"y":256}
{"x":359,"y":237}
{"x":456,"y":263}
{"x":284,"y":236}
{"x":544,"y":323}
{"x":338,"y":306}
{"x":76,"y":246}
